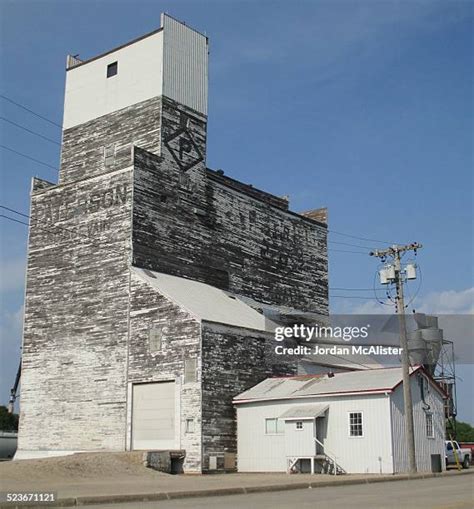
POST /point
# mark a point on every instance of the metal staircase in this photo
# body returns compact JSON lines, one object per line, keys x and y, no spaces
{"x":329,"y":465}
{"x":328,"y":461}
{"x":320,"y":463}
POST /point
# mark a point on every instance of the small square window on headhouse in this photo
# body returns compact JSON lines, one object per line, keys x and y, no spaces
{"x":112,"y":69}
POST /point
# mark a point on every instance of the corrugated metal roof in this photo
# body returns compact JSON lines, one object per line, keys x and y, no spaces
{"x":369,"y":380}
{"x":206,"y":302}
{"x":304,"y":412}
{"x":343,"y":361}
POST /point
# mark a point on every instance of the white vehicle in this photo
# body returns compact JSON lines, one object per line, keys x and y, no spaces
{"x":453,"y":451}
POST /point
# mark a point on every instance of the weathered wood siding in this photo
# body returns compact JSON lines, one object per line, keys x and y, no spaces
{"x":82,"y":153}
{"x":75,"y":334}
{"x":191,"y":223}
{"x":181,"y":339}
{"x":154,"y":205}
{"x":233,"y":360}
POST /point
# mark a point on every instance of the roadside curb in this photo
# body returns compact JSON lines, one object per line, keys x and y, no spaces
{"x":215,"y":492}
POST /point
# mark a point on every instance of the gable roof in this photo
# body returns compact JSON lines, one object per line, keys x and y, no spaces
{"x":343,"y":362}
{"x":206,"y":302}
{"x":370,"y":381}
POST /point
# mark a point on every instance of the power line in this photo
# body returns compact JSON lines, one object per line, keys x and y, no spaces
{"x":335,"y":289}
{"x":72,"y":231}
{"x":338,"y":250}
{"x":75,"y":232}
{"x":351,"y":297}
{"x":359,"y":238}
{"x":30,"y":111}
{"x":30,"y":131}
{"x":29,"y":157}
{"x":14,"y":211}
{"x":346,"y":251}
{"x":347,"y":244}
{"x":16,"y":220}
{"x":28,"y":224}
{"x":365,"y":239}
{"x":352,"y":289}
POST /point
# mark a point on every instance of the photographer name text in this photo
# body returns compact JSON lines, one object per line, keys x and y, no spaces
{"x":338,"y":350}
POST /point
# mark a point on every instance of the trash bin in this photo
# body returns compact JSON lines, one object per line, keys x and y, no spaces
{"x":436,"y":465}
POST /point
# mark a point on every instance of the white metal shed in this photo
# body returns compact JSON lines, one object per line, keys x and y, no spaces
{"x":340,"y":423}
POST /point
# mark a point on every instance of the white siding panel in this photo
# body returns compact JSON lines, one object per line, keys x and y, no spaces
{"x":185,"y":65}
{"x":171,"y":62}
{"x":256,"y":451}
{"x":90,"y":94}
{"x":300,"y":442}
{"x":424,"y":446}
{"x":371,"y":453}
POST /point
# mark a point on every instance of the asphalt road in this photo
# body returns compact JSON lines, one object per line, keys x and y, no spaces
{"x":455,"y":492}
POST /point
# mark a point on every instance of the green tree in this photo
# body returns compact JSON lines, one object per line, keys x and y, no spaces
{"x":8,"y":422}
{"x":464,"y":432}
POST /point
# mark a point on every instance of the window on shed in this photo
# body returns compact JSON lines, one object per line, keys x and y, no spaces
{"x":299,"y":424}
{"x":355,"y":424}
{"x":112,"y":69}
{"x":274,"y":426}
{"x":429,"y":425}
{"x":190,"y":370}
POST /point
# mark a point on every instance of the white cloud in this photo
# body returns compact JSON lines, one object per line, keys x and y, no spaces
{"x":13,"y":275}
{"x":371,"y":307}
{"x":446,"y":302}
{"x":449,"y":302}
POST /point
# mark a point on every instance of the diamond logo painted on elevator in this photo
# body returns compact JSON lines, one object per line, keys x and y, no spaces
{"x":183,"y":148}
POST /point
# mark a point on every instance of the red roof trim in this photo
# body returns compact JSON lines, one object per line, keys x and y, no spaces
{"x":336,"y":374}
{"x":416,"y":369}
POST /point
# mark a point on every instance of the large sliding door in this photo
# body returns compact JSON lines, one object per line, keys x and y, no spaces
{"x":153,"y":416}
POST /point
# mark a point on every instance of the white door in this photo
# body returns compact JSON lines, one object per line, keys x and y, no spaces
{"x":299,"y":438}
{"x":153,"y":422}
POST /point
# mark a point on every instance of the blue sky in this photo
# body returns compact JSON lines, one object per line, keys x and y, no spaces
{"x":364,"y":107}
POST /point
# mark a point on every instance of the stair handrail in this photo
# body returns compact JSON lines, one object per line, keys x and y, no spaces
{"x":292,"y":463}
{"x":330,"y":455}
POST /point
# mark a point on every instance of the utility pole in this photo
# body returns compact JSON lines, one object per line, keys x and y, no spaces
{"x":393,"y":273}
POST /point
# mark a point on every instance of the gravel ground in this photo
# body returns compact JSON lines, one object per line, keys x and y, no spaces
{"x":78,"y":467}
{"x":101,"y":474}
